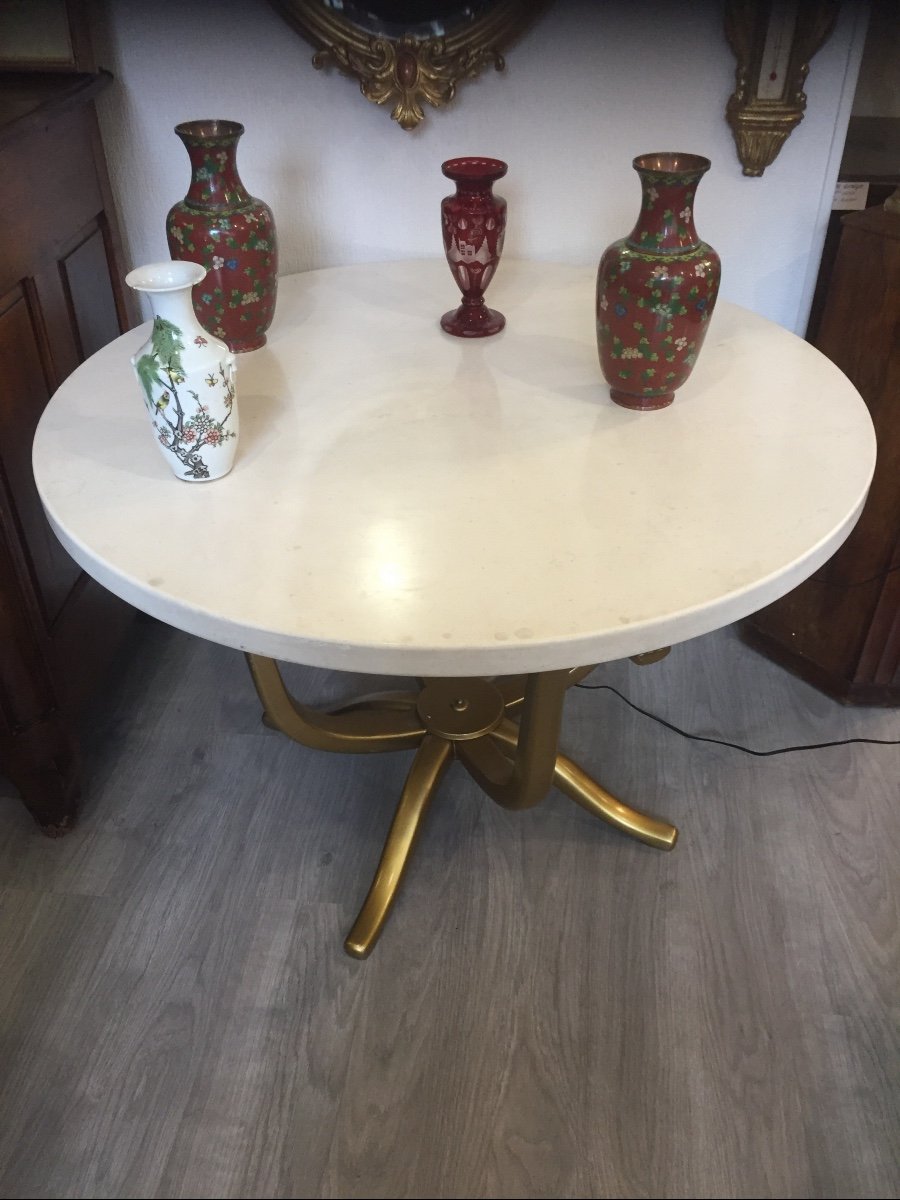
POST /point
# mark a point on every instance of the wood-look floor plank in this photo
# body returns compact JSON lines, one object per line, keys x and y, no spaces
{"x":458,"y":1116}
{"x":273,"y":1084}
{"x":553,"y":1010}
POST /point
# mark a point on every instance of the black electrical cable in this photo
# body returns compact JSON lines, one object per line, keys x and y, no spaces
{"x":698,"y":737}
{"x":839,"y":583}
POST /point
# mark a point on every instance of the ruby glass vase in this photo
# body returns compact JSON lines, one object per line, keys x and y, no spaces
{"x":473,"y":223}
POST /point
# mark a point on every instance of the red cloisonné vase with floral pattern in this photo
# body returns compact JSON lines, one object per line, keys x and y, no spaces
{"x":221,"y":226}
{"x":656,"y":289}
{"x":473,"y":222}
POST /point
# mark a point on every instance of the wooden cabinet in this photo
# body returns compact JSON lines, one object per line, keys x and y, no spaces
{"x":841,"y":629}
{"x":61,"y":298}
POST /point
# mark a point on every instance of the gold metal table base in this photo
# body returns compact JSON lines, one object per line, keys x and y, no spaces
{"x":466,"y":719}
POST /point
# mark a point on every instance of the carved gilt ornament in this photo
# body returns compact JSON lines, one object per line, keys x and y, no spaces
{"x":409,"y":66}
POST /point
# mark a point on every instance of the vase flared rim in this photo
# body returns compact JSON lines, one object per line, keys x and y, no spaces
{"x":671,"y":162}
{"x":473,"y":168}
{"x":208,"y":132}
{"x":171,"y":276}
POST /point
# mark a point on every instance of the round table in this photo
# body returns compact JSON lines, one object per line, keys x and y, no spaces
{"x":405,"y":502}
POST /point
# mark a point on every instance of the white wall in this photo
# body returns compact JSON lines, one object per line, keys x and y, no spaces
{"x":589,"y":87}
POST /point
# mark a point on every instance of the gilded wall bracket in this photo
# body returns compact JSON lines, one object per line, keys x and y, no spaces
{"x":773,"y":42}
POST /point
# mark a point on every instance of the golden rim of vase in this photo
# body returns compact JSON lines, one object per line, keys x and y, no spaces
{"x":208,"y":132}
{"x":672,"y":162}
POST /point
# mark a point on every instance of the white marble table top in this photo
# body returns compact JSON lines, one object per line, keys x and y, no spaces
{"x":404,"y":502}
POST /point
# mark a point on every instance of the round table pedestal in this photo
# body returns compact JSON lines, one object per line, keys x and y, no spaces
{"x":515,"y":763}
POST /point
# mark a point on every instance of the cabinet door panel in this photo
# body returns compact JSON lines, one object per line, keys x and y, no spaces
{"x":49,"y":190}
{"x":841,"y":628}
{"x":61,"y":298}
{"x":86,"y":277}
{"x":24,"y":395}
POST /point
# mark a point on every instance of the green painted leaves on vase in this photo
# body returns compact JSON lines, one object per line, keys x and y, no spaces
{"x":168,"y":343}
{"x":147,"y":369}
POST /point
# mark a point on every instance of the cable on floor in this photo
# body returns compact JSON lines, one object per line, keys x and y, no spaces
{"x":699,"y":737}
{"x":837,"y":583}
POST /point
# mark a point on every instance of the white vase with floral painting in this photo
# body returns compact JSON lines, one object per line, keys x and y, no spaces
{"x":186,"y":376}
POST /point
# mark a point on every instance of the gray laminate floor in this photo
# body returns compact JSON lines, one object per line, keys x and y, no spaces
{"x":553,"y":1010}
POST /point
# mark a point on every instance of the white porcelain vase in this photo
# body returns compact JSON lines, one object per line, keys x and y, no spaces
{"x":186,"y":376}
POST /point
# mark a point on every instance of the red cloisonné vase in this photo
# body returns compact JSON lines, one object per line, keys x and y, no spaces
{"x":656,"y":289}
{"x":473,"y":222}
{"x":221,"y":226}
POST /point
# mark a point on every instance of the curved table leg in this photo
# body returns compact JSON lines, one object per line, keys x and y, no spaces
{"x":375,"y":701}
{"x":431,"y":760}
{"x":369,"y":731}
{"x":512,"y":687}
{"x":578,"y":786}
{"x":522,"y":779}
{"x":575,"y":783}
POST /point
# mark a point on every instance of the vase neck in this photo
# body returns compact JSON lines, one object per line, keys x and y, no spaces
{"x":215,"y":182}
{"x":177,"y":308}
{"x":665,"y":224}
{"x":474,"y":187}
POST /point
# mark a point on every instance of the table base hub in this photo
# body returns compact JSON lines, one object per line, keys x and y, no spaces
{"x":466,"y":719}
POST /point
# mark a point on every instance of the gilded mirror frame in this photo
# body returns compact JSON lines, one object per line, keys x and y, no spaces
{"x":409,"y":69}
{"x":773,"y":42}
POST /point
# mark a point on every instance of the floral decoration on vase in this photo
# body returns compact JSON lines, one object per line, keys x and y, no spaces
{"x":221,"y":226}
{"x":187,"y":378}
{"x":657,"y":288}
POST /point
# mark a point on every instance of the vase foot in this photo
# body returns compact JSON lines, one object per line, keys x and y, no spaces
{"x":471,"y":322}
{"x":641,"y":403}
